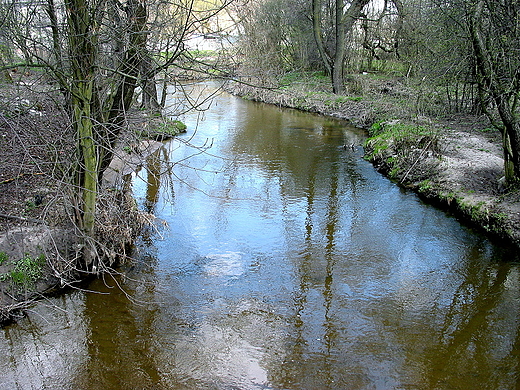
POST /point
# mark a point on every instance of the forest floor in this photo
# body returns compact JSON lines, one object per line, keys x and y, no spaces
{"x":451,"y":160}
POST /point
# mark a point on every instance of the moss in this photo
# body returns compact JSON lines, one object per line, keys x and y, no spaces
{"x":171,"y":127}
{"x":394,"y":172}
{"x":166,"y":129}
{"x":401,"y":137}
{"x":425,"y":186}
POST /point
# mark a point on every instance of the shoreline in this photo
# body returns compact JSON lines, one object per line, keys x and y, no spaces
{"x":453,"y":163}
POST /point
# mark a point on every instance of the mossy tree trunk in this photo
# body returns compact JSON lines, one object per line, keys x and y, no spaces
{"x":97,"y":127}
{"x":82,"y":52}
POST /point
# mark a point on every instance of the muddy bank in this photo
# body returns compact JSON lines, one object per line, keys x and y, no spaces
{"x":454,"y":162}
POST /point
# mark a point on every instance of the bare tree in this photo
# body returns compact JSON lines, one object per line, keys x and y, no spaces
{"x":345,"y":14}
{"x":99,"y":52}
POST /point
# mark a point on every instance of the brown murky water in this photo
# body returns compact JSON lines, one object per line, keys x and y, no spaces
{"x":287,"y":263}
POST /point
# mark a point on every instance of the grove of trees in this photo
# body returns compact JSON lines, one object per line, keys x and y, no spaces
{"x":101,"y":52}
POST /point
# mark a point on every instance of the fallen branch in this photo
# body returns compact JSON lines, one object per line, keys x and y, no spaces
{"x":19,"y":176}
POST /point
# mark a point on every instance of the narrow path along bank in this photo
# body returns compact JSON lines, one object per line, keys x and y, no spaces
{"x":454,"y":162}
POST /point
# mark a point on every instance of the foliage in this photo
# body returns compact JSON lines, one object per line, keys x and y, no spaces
{"x":394,"y":145}
{"x":25,"y":271}
{"x":167,"y":128}
{"x":3,"y":257}
{"x":425,"y":186}
{"x":385,"y":130}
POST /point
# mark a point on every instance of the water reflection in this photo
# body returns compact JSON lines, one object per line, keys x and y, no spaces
{"x":288,"y":264}
{"x":120,"y":349}
{"x":153,"y":169}
{"x":48,"y":348}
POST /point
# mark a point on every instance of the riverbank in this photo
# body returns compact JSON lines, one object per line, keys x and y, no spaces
{"x":451,"y":160}
{"x":40,"y":246}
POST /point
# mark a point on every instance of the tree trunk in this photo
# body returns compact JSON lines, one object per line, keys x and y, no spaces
{"x":56,"y":45}
{"x":338,"y":82}
{"x":82,"y":46}
{"x":130,"y":69}
{"x":89,"y":164}
{"x":490,"y":77}
{"x":318,"y":36}
{"x":343,"y":24}
{"x":148,"y":85}
{"x":510,"y":140}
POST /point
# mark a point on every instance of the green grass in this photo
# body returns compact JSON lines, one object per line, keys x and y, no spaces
{"x":171,"y":127}
{"x":312,"y":78}
{"x":425,"y":186}
{"x":385,"y":134}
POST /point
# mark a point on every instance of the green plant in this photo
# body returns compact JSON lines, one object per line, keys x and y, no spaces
{"x":501,"y":217}
{"x":376,"y":128}
{"x":394,"y":172}
{"x":355,"y":98}
{"x":30,"y":205}
{"x":425,"y":186}
{"x":391,"y":160}
{"x":289,"y":78}
{"x":25,"y":271}
{"x":127,"y":149}
{"x":171,"y":127}
{"x":3,"y":257}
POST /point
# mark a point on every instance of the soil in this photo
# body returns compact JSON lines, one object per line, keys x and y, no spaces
{"x":34,"y":133}
{"x":36,"y":216}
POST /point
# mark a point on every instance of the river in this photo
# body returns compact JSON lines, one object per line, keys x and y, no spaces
{"x":279,"y":260}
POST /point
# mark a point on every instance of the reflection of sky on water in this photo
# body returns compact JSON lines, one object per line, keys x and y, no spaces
{"x":290,"y":263}
{"x":48,"y":349}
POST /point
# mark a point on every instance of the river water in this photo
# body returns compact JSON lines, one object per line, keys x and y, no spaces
{"x":279,"y":260}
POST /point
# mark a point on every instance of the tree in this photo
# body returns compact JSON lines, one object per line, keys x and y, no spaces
{"x":345,"y":14}
{"x":274,"y":37}
{"x":99,"y":52}
{"x":97,"y":123}
{"x":380,"y":29}
{"x":494,"y":31}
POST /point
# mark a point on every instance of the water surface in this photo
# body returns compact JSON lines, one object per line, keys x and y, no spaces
{"x":279,"y":260}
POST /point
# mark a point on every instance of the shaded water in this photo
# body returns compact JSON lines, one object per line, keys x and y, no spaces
{"x":287,"y":263}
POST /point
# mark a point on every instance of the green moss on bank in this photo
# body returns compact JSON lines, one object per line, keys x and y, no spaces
{"x":396,"y":147}
{"x":164,"y":129}
{"x":22,"y":273}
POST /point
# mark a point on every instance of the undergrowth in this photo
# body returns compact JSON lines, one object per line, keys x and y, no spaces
{"x":24,"y":272}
